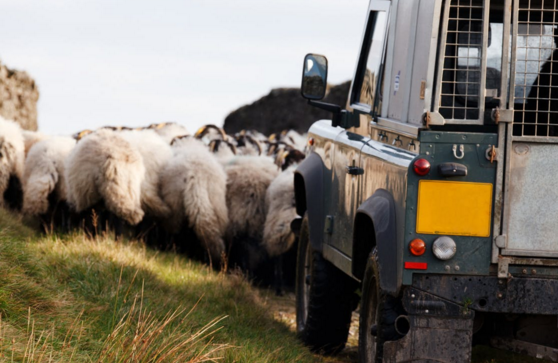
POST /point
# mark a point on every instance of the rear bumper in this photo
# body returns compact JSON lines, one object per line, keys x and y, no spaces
{"x":490,"y":294}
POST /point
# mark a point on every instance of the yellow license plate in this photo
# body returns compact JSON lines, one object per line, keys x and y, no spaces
{"x":454,"y":208}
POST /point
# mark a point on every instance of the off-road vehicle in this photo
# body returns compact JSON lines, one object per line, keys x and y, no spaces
{"x":431,"y":198}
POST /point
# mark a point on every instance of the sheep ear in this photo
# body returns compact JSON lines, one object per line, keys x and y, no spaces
{"x":272,"y":137}
{"x":161,"y":125}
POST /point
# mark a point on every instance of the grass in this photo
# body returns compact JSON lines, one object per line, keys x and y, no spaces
{"x":69,"y":298}
{"x":73,"y":299}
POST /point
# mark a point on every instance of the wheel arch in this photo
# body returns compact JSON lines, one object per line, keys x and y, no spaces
{"x":309,"y":197}
{"x":375,"y":226}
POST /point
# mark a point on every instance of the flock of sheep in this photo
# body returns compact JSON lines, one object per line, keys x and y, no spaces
{"x":228,"y":200}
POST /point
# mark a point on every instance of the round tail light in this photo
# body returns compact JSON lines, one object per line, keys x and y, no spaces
{"x":421,"y":167}
{"x":417,"y":247}
{"x":444,"y":248}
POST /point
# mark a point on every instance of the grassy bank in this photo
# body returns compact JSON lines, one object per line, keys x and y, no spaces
{"x":72,"y":299}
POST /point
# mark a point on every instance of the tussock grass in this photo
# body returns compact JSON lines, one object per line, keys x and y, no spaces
{"x":67,"y":298}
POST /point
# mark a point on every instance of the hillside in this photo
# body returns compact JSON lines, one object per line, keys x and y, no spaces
{"x":282,"y":109}
{"x":74,"y":299}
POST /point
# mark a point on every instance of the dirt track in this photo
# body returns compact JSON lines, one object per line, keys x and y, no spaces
{"x":283,"y":308}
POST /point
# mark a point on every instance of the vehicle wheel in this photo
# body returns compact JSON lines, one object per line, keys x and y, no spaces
{"x":378,"y":313}
{"x":325,"y":298}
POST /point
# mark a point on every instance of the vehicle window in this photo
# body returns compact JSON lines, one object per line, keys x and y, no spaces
{"x":367,"y":79}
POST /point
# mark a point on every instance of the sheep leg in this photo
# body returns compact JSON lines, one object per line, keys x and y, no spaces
{"x":278,"y":280}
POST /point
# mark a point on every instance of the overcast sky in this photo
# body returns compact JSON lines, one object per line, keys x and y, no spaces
{"x":138,"y":62}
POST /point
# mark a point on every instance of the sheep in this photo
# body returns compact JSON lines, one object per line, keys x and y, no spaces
{"x":278,"y":239}
{"x":168,"y":130}
{"x":12,"y":157}
{"x":155,"y":153}
{"x":194,"y":184}
{"x":247,"y":183}
{"x":210,"y":132}
{"x":247,"y":145}
{"x":30,"y":138}
{"x":223,"y":150}
{"x":44,"y":184}
{"x":290,"y":137}
{"x":104,"y":167}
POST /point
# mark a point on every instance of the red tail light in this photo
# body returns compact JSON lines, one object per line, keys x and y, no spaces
{"x":421,"y":167}
{"x":417,"y":247}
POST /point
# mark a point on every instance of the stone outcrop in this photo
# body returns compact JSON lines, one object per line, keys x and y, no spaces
{"x":283,"y":108}
{"x":18,"y":97}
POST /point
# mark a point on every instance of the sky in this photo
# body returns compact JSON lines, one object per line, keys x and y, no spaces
{"x":133,"y":63}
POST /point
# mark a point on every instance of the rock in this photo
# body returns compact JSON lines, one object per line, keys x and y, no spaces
{"x":18,"y":97}
{"x":283,"y":108}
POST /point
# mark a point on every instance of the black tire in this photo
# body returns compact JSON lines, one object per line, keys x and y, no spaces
{"x":325,"y":299}
{"x":378,"y":313}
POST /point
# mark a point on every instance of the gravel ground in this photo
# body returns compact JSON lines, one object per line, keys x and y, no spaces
{"x":283,"y":308}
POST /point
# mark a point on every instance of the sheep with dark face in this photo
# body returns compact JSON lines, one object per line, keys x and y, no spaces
{"x":12,"y":157}
{"x":105,"y":168}
{"x":193,"y":184}
{"x":248,"y":178}
{"x":278,"y":239}
{"x":44,"y":183}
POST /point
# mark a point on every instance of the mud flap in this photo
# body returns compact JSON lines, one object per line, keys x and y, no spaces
{"x":440,"y":331}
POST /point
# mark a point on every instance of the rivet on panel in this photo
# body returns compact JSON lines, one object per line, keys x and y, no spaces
{"x":533,"y":271}
{"x":447,"y":268}
{"x":500,"y":295}
{"x":456,"y":268}
{"x":524,"y":271}
{"x":413,"y":296}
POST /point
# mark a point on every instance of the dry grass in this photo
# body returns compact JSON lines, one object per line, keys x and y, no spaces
{"x":74,"y":299}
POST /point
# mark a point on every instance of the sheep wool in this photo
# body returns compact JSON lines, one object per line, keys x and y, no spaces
{"x":248,"y":178}
{"x":155,"y":154}
{"x":194,"y":186}
{"x":12,"y":154}
{"x":104,"y":166}
{"x":278,"y":237}
{"x":169,"y":130}
{"x":30,"y":138}
{"x":44,"y":173}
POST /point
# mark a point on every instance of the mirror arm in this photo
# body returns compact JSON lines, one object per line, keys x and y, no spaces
{"x":326,"y":106}
{"x":340,"y":116}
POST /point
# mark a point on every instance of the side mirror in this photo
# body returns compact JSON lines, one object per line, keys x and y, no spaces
{"x":314,"y":77}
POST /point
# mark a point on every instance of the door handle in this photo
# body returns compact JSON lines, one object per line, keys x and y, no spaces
{"x":354,"y":170}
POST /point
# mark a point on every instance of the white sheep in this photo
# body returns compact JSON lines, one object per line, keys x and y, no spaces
{"x":105,"y":167}
{"x":281,"y":211}
{"x":169,"y":130}
{"x":30,"y":138}
{"x":155,"y":154}
{"x":12,"y":157}
{"x":193,"y":184}
{"x":44,"y":174}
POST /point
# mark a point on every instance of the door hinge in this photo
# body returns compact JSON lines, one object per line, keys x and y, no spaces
{"x":501,"y":241}
{"x":329,"y":225}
